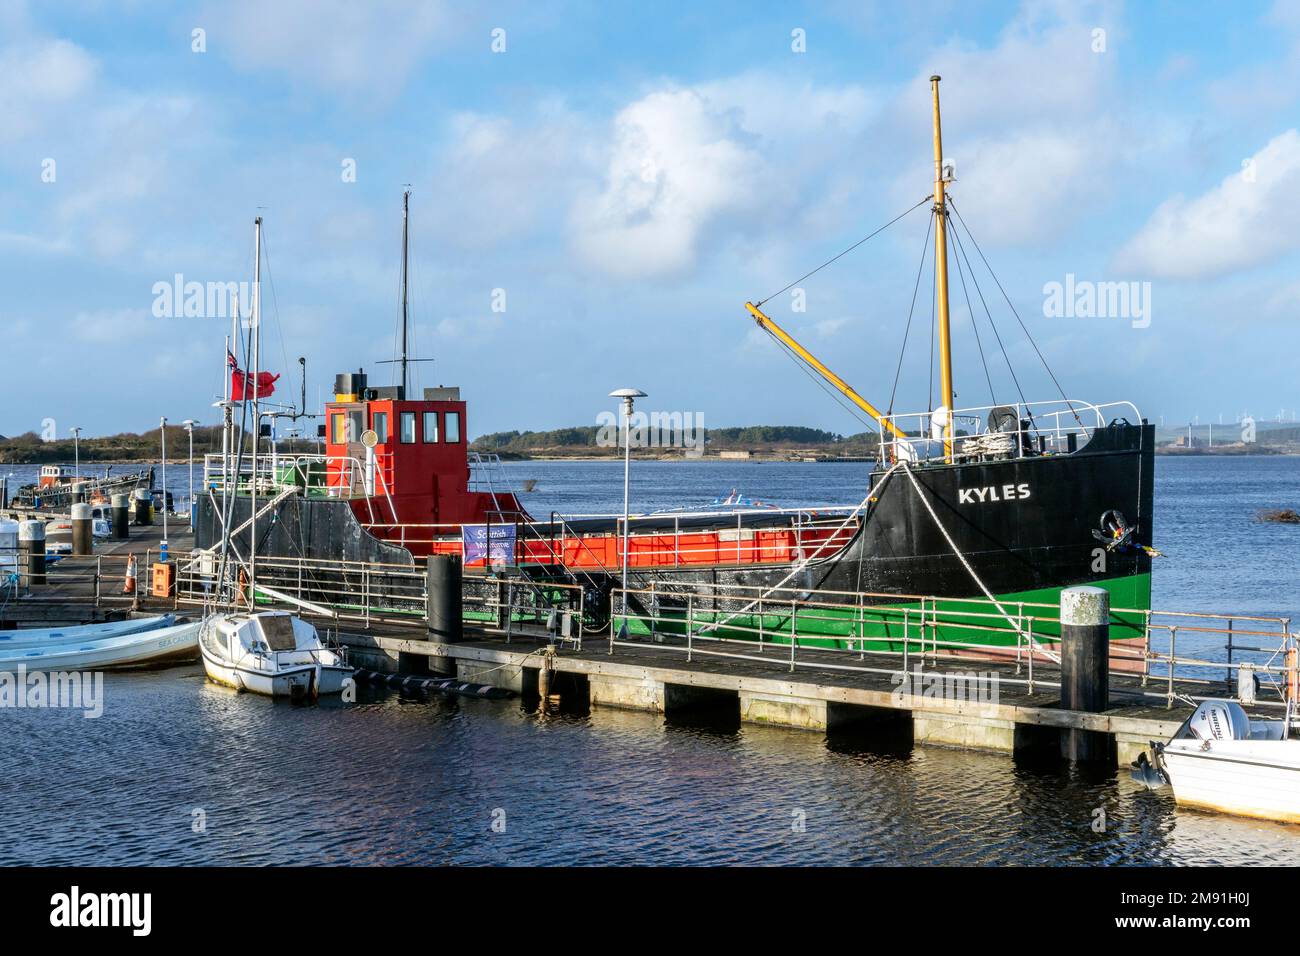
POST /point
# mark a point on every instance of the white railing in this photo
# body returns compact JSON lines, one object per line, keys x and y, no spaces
{"x":334,"y":476}
{"x":1024,"y":428}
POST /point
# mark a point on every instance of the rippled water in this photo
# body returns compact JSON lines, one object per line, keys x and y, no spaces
{"x":410,"y":780}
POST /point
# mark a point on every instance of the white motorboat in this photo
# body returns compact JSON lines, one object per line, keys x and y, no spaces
{"x":271,"y":652}
{"x":28,"y":637}
{"x":1222,"y":760}
{"x":143,"y":648}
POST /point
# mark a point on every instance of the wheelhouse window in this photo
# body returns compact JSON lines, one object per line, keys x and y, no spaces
{"x":407,"y":421}
{"x":452,"y":422}
{"x":430,"y":427}
{"x":379,"y":422}
{"x":340,"y":428}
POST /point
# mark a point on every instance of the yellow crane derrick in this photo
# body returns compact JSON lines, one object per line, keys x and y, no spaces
{"x":765,"y":322}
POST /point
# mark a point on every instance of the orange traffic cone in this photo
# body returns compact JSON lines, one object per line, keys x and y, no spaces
{"x":128,"y":586}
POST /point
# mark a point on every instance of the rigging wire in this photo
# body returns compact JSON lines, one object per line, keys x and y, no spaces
{"x":275,"y":305}
{"x":916,"y":288}
{"x":820,"y":383}
{"x":974,"y":324}
{"x":1023,"y":327}
{"x":993,"y":325}
{"x":841,"y":255}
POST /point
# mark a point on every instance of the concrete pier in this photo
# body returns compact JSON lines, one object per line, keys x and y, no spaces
{"x":652,"y":679}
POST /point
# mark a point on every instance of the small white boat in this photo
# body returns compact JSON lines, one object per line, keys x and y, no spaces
{"x":271,"y":652}
{"x":51,"y":636}
{"x":154,"y":646}
{"x":1222,"y":760}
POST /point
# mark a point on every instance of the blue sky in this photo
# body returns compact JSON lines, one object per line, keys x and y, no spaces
{"x":629,"y":175}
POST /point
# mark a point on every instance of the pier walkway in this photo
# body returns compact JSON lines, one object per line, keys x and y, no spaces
{"x":994,"y":709}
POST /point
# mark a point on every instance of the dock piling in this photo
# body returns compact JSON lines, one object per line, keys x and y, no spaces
{"x":143,"y":507}
{"x":1085,"y":668}
{"x":83,"y":540}
{"x":31,"y":542}
{"x":121,"y":510}
{"x":443,"y":580}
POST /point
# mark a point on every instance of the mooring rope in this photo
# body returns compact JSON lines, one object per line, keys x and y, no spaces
{"x":1033,"y":643}
{"x":805,"y":561}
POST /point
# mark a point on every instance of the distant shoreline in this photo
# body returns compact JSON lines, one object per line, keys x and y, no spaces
{"x":808,"y":455}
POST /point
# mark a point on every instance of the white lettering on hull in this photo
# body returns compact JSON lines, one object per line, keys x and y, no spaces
{"x":992,"y":493}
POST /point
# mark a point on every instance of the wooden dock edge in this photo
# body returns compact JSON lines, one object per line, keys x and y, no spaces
{"x":776,"y":701}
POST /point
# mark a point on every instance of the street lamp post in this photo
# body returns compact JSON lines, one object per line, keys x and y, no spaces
{"x":76,"y":451}
{"x":189,"y":424}
{"x":162,"y":433}
{"x":629,"y":396}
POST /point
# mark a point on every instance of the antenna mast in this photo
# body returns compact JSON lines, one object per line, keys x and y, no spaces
{"x":941,"y":276}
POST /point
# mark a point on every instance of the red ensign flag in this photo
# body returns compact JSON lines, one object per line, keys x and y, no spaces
{"x":242,"y":388}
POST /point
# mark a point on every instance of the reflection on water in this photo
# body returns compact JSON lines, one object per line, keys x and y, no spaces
{"x":411,"y":780}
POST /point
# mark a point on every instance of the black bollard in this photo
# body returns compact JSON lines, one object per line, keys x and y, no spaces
{"x":143,"y":507}
{"x":444,"y":598}
{"x":31,"y":542}
{"x":83,"y":538}
{"x":121,"y":510}
{"x":1085,"y":668}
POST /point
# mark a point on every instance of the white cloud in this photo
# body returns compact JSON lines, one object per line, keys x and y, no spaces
{"x":829,"y":328}
{"x":685,"y":166}
{"x":677,"y":166}
{"x":501,"y":178}
{"x":109,"y":326}
{"x":1245,"y":221}
{"x":1030,"y":123}
{"x":1015,"y":187}
{"x":357,"y":49}
{"x":40,"y":75}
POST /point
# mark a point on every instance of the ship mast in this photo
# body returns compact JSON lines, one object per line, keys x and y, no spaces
{"x":257,"y":411}
{"x":941,"y":277}
{"x":406,"y":217}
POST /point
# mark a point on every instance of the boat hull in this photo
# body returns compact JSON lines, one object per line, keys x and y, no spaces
{"x":297,"y":682}
{"x":1241,"y":777}
{"x":53,"y":636}
{"x":146,"y":649}
{"x":1018,"y":528}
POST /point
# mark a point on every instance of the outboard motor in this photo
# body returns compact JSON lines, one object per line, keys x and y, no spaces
{"x":1219,"y":720}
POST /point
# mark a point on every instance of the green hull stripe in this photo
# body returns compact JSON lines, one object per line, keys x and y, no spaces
{"x":882,"y":627}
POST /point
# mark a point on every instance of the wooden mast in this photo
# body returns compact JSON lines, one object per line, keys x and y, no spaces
{"x":941,"y":276}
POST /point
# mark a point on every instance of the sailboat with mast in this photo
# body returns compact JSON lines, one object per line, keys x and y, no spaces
{"x":270,"y":652}
{"x":967,"y":509}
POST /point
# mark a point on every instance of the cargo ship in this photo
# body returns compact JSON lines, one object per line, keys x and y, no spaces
{"x":1004,"y":504}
